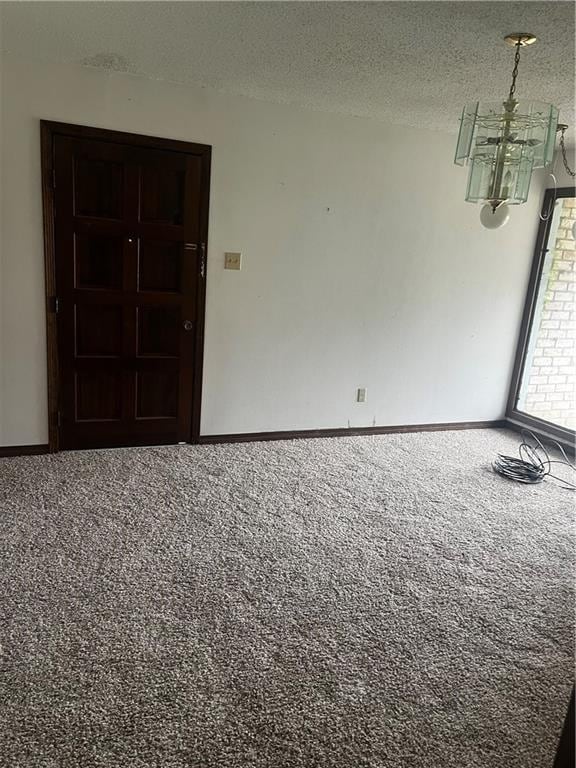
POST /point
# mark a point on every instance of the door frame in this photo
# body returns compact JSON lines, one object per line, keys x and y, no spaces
{"x":48,"y":131}
{"x":541,"y":427}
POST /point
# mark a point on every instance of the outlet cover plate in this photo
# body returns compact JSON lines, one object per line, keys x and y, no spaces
{"x":232,"y":260}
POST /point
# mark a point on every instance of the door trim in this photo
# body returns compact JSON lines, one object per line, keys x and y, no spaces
{"x":48,"y":131}
{"x":541,"y":427}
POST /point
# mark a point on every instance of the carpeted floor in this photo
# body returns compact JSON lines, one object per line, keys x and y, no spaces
{"x":384,"y":602}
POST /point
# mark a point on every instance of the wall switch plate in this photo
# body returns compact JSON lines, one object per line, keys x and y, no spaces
{"x":361,"y":395}
{"x":232,"y":261}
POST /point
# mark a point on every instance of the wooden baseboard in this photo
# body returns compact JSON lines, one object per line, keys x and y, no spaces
{"x":249,"y":437}
{"x":254,"y":437}
{"x":23,"y":450}
{"x":544,"y":433}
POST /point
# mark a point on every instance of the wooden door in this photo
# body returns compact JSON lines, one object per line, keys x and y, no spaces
{"x":129,"y":247}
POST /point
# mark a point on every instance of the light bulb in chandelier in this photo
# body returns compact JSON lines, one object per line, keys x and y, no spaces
{"x":494,"y":217}
{"x":506,"y":185}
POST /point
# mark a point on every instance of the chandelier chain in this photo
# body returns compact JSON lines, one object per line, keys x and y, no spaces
{"x":569,"y":171}
{"x":515,"y":70}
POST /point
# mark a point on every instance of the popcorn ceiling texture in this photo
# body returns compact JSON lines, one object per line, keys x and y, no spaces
{"x":375,"y":602}
{"x":413,"y":63}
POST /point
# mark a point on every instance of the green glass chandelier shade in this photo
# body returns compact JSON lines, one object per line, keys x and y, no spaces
{"x":502,"y":143}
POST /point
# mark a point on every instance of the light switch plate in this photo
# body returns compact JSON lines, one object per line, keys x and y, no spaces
{"x":232,"y":260}
{"x":361,"y":395}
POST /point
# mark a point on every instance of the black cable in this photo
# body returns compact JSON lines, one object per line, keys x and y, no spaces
{"x":534,"y":463}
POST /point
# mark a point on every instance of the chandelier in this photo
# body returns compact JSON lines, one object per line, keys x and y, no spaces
{"x":502,"y":143}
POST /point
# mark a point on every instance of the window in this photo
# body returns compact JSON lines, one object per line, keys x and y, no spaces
{"x":543,"y":393}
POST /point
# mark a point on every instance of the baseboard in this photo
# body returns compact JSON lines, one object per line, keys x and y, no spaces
{"x":253,"y":437}
{"x":542,"y":433}
{"x":23,"y":450}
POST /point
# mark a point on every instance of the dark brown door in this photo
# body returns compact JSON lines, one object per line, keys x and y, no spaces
{"x":130,"y":262}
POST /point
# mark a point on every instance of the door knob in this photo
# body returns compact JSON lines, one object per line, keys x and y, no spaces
{"x":188,"y":325}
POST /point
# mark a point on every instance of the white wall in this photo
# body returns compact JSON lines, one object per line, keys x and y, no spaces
{"x":363,"y":266}
{"x":562,"y":177}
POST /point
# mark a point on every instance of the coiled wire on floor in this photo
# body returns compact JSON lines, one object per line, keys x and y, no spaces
{"x":534,"y":463}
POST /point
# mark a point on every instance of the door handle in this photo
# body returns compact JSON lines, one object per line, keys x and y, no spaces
{"x":188,"y":325}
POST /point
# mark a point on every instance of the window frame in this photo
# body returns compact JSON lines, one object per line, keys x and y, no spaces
{"x":519,"y":418}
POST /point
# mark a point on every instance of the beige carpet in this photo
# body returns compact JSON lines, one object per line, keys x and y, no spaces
{"x":384,"y":602}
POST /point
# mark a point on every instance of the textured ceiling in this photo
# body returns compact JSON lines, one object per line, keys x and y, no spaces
{"x":414,"y":63}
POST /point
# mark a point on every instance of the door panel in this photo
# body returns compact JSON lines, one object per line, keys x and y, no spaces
{"x":160,"y":266}
{"x":157,"y":394}
{"x":162,"y":191}
{"x":159,"y":331}
{"x":98,"y":396}
{"x":98,"y":185}
{"x":130,"y":288}
{"x":98,"y":261}
{"x":98,"y":329}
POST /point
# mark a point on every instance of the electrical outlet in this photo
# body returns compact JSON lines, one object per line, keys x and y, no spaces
{"x":361,"y":395}
{"x":232,"y":261}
